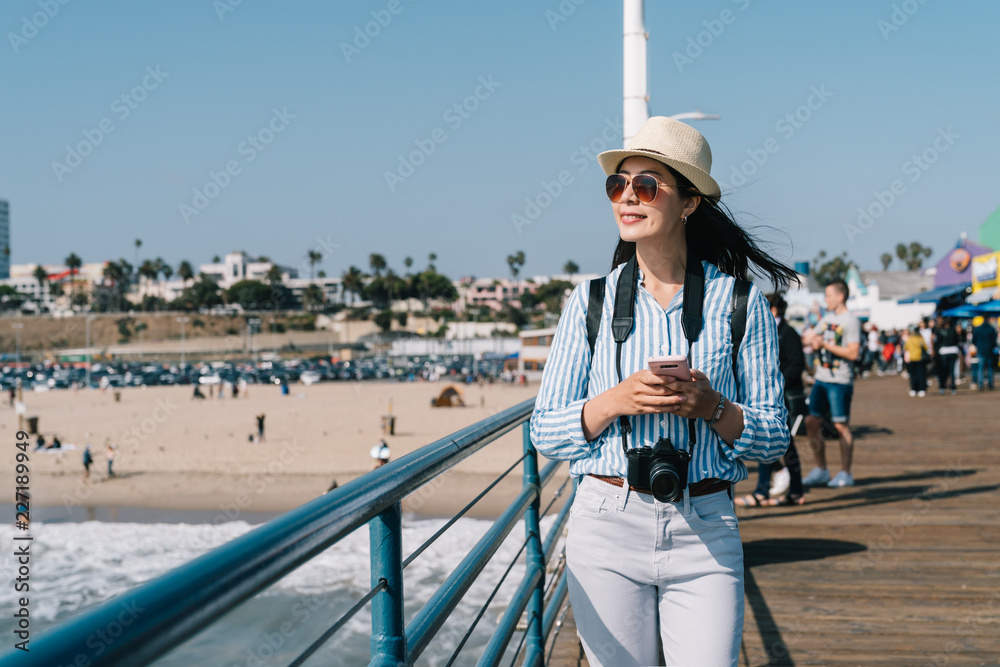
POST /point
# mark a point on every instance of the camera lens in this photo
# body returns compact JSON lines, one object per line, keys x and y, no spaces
{"x":664,"y":482}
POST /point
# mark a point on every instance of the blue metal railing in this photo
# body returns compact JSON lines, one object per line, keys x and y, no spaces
{"x":182,"y":603}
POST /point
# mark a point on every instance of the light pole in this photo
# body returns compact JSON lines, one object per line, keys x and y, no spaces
{"x":696,"y":115}
{"x":90,"y":318}
{"x":17,"y":326}
{"x":182,"y":321}
{"x":274,"y":337}
{"x":253,"y":323}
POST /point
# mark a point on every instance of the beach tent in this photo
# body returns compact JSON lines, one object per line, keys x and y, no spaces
{"x":450,"y":396}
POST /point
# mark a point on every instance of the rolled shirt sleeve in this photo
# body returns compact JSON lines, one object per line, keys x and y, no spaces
{"x":556,"y":427}
{"x":761,"y":388}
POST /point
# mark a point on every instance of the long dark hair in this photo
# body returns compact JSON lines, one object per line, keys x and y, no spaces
{"x":713,"y":235}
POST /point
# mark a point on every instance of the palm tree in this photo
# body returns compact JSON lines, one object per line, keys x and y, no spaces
{"x":149,"y":270}
{"x":314,"y":257}
{"x":515,"y":262}
{"x":408,"y":262}
{"x":312,"y":296}
{"x":42,"y":276}
{"x":570,"y":268}
{"x":377,"y":263}
{"x":138,"y":244}
{"x":353,"y":281}
{"x":185,"y":271}
{"x":273,"y":275}
{"x":73,"y":263}
{"x":431,"y":258}
{"x":167,"y":272}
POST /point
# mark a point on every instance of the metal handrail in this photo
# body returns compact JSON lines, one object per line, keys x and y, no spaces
{"x":176,"y":606}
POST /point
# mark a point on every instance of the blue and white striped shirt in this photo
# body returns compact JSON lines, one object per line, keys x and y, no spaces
{"x":571,"y":378}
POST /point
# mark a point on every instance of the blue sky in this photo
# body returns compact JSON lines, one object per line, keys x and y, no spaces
{"x":328,"y":125}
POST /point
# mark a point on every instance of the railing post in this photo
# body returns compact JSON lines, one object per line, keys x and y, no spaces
{"x":534,"y":644}
{"x":388,"y":644}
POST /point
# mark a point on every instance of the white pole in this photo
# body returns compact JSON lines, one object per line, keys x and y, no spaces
{"x":636,"y":96}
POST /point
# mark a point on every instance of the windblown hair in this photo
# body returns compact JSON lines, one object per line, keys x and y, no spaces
{"x":713,"y":235}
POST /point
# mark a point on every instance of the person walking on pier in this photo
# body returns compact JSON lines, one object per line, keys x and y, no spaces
{"x":653,"y":551}
{"x":915,"y":356}
{"x":984,"y":337}
{"x":946,"y":351}
{"x":837,"y":337}
{"x":792,"y":364}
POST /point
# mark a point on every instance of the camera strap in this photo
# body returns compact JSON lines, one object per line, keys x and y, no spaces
{"x":623,"y":322}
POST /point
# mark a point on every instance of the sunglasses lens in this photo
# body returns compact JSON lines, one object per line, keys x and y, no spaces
{"x":615,"y":186}
{"x":644,"y":187}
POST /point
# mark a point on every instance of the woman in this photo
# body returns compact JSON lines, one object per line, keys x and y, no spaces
{"x":638,"y":566}
{"x":915,"y":352}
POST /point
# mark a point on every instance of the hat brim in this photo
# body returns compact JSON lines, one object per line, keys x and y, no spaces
{"x":609,"y":161}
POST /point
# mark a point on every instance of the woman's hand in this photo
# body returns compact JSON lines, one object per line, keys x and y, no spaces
{"x":643,"y":393}
{"x":699,"y":399}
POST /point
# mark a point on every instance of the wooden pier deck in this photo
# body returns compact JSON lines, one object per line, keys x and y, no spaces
{"x":901,"y":569}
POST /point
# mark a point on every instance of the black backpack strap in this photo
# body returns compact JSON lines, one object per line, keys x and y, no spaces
{"x":595,"y":309}
{"x":741,"y":298}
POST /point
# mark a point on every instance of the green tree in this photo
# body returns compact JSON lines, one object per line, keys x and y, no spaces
{"x":42,"y":276}
{"x":185,"y":271}
{"x":203,"y":293}
{"x":515,"y":262}
{"x":570,"y":268}
{"x":551,"y":294}
{"x":886,"y":260}
{"x":913,"y":255}
{"x":314,"y":257}
{"x":313,"y":297}
{"x":826,"y":270}
{"x":353,"y":281}
{"x":255,"y":295}
{"x":273,"y":275}
{"x":73,"y":263}
{"x":431,"y":258}
{"x":119,"y":274}
{"x":377,"y":264}
{"x":383,"y":320}
{"x":167,"y":272}
{"x":408,"y":262}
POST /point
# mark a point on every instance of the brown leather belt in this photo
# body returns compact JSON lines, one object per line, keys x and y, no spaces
{"x":700,"y":488}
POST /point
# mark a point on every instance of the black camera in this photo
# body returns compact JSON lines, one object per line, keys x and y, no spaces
{"x":661,"y":468}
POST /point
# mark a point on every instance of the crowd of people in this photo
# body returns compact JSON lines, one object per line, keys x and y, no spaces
{"x":836,"y":350}
{"x":940,"y":350}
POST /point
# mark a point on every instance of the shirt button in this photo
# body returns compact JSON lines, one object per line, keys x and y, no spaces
{"x":663,"y":422}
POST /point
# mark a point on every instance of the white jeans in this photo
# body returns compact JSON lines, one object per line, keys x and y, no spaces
{"x":637,"y":565}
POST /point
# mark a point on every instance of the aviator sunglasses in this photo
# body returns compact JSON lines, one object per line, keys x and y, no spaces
{"x":643,"y":185}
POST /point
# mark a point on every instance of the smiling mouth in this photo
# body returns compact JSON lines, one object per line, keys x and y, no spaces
{"x":628,"y":218}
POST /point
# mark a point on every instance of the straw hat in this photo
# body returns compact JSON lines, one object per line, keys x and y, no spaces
{"x":673,"y":143}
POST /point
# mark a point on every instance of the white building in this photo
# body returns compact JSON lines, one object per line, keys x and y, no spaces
{"x":535,"y":347}
{"x":22,"y":278}
{"x":237,"y":266}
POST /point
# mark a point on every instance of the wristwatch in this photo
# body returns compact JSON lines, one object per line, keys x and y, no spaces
{"x":718,"y":410}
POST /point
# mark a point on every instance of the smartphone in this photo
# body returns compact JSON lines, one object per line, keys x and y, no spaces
{"x":672,"y":365}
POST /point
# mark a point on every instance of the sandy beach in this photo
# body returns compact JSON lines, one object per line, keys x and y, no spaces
{"x":177,"y":453}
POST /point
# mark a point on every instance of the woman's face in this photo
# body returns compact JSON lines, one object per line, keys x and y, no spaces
{"x":660,"y":218}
